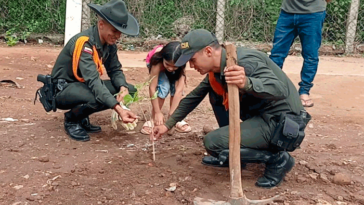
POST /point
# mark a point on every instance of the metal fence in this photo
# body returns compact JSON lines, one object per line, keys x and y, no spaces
{"x":171,"y":19}
{"x":248,"y":22}
{"x":251,"y":23}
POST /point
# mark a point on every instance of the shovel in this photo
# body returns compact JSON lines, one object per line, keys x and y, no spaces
{"x":237,"y":196}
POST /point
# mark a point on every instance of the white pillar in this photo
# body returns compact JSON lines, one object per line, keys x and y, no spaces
{"x":73,"y":19}
{"x":220,"y":20}
{"x":351,"y":26}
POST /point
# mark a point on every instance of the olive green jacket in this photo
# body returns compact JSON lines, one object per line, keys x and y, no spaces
{"x":87,"y":67}
{"x":269,"y":91}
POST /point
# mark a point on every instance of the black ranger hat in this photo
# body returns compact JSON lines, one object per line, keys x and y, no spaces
{"x":116,"y":13}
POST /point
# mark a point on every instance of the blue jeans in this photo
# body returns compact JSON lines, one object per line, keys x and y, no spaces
{"x":309,"y":28}
{"x":165,"y":86}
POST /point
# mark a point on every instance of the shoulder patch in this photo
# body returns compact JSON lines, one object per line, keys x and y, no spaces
{"x":88,"y":50}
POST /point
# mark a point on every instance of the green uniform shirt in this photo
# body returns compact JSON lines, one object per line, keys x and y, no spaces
{"x":87,"y":67}
{"x":303,"y":6}
{"x":269,"y":91}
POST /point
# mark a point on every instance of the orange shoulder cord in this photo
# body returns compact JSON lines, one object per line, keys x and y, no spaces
{"x":77,"y":55}
{"x":217,"y":87}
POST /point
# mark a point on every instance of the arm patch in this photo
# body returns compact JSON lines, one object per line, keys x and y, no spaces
{"x":88,"y":50}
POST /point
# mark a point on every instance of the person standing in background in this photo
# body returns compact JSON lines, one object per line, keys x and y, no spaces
{"x":303,"y":18}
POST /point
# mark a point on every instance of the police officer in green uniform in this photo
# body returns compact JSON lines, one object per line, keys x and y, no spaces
{"x":267,"y":97}
{"x":79,"y":66}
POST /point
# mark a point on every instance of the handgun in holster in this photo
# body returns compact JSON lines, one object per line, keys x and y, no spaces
{"x":46,"y":93}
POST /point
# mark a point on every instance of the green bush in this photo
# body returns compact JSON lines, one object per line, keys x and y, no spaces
{"x":253,"y":20}
{"x":38,"y":16}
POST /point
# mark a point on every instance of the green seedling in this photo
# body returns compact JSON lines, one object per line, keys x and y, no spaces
{"x":127,"y":101}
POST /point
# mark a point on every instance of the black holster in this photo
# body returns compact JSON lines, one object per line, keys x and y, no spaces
{"x":290,"y":131}
{"x":47,"y":94}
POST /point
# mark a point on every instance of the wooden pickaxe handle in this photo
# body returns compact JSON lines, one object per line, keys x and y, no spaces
{"x":234,"y":129}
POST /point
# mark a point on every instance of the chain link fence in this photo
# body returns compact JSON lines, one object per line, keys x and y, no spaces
{"x":252,"y":24}
{"x":170,"y":19}
{"x":247,"y":22}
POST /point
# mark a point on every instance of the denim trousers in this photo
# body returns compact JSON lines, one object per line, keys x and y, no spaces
{"x":165,"y":86}
{"x":309,"y":29}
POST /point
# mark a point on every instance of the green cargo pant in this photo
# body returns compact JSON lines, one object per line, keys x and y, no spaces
{"x":78,"y":93}
{"x":255,"y":132}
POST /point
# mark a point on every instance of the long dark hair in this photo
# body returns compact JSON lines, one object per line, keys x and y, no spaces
{"x":170,"y":52}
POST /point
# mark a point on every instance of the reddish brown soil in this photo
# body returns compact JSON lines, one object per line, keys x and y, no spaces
{"x":39,"y":164}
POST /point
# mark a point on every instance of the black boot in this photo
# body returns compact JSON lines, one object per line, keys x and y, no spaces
{"x":277,"y":164}
{"x":75,"y":130}
{"x":247,"y":155}
{"x":215,"y":162}
{"x":85,"y":123}
{"x":276,"y":168}
{"x":72,"y":122}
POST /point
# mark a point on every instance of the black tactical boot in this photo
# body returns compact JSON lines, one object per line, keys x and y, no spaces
{"x":276,"y":168}
{"x":215,"y":162}
{"x":247,"y":155}
{"x":85,"y":123}
{"x":75,"y":130}
{"x":72,"y":122}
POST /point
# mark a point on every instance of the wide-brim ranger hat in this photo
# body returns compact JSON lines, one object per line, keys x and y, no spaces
{"x":116,"y":13}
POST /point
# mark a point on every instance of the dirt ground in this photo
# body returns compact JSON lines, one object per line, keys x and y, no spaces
{"x":39,"y":164}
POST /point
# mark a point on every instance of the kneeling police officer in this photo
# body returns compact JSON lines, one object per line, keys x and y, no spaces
{"x":75,"y":82}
